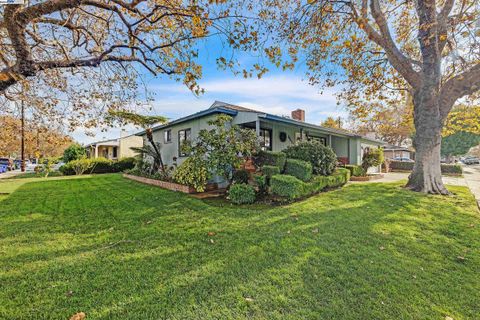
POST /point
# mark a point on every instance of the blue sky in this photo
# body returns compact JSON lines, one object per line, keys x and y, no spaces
{"x":277,"y":92}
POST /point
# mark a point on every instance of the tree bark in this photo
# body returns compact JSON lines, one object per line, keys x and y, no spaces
{"x":426,"y":175}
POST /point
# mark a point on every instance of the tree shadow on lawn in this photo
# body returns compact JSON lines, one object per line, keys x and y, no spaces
{"x":142,"y":252}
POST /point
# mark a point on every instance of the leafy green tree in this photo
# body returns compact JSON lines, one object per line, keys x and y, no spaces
{"x":224,"y":147}
{"x":459,"y":143}
{"x":74,"y":152}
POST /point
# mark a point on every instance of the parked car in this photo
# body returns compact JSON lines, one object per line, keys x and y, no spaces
{"x":471,"y":160}
{"x":403,"y":159}
{"x":7,"y":162}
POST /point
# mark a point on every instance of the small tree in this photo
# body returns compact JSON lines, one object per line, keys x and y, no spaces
{"x":224,"y":147}
{"x":372,"y":158}
{"x":74,"y":152}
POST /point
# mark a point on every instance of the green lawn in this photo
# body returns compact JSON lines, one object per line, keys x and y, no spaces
{"x":116,"y":249}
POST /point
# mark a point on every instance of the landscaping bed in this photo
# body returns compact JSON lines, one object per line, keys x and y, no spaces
{"x":168,"y":185}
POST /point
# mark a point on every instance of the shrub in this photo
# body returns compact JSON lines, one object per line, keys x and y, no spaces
{"x":322,"y":158}
{"x":192,"y":173}
{"x":270,"y":171}
{"x":74,"y":152}
{"x":287,"y":186}
{"x":316,"y":185}
{"x":373,"y":158}
{"x":81,"y":166}
{"x":270,"y":158}
{"x":355,"y":171}
{"x":262,"y":184}
{"x":299,"y":169}
{"x":101,"y":165}
{"x":401,"y":166}
{"x":241,"y":193}
{"x":340,"y":177}
{"x":240,"y":176}
{"x":124,"y":164}
{"x":451,"y":169}
{"x":408,"y":166}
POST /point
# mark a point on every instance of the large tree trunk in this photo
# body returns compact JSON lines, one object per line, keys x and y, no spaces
{"x":427,"y":176}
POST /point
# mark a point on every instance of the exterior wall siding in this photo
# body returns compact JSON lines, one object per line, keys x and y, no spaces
{"x":126,"y":143}
{"x":170,"y":150}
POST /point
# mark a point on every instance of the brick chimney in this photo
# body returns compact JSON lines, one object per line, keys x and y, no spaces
{"x":299,"y":115}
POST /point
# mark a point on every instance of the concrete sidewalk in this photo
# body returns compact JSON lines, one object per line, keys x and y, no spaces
{"x":10,"y":174}
{"x":472,"y":177}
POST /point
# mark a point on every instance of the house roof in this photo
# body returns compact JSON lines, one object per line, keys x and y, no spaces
{"x":196,"y":115}
{"x":231,"y":109}
{"x":112,"y":142}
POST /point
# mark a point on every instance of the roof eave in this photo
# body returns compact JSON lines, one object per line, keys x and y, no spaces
{"x":197,"y":115}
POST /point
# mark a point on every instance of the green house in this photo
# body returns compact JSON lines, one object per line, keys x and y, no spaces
{"x":275,"y":132}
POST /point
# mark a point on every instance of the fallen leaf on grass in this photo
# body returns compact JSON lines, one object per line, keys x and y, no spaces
{"x":211,"y":234}
{"x":382,"y":248}
{"x":78,"y":316}
{"x":248,"y":299}
{"x":315,"y":230}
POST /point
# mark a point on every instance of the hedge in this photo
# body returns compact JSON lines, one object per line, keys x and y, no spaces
{"x":98,"y":165}
{"x":401,"y":165}
{"x":355,"y":171}
{"x":241,"y":193}
{"x":270,"y":171}
{"x":452,"y":169}
{"x":292,"y":188}
{"x":286,"y":186}
{"x":299,"y":169}
{"x":270,"y":158}
{"x":124,"y":164}
{"x":408,"y":166}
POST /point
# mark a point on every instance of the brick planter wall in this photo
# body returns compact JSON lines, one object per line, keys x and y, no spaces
{"x":162,"y":184}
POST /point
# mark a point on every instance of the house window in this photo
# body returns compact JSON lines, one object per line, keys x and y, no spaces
{"x":183,"y":135}
{"x":115,"y":152}
{"x":322,"y":140}
{"x":266,"y":139}
{"x":167,"y":136}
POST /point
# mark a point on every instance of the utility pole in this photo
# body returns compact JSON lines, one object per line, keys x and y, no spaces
{"x":22,"y":166}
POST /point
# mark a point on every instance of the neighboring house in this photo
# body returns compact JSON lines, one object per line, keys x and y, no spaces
{"x":275,"y":132}
{"x":391,"y":152}
{"x":114,"y":149}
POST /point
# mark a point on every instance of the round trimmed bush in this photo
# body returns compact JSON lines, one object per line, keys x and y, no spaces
{"x":241,"y":193}
{"x":322,"y":158}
